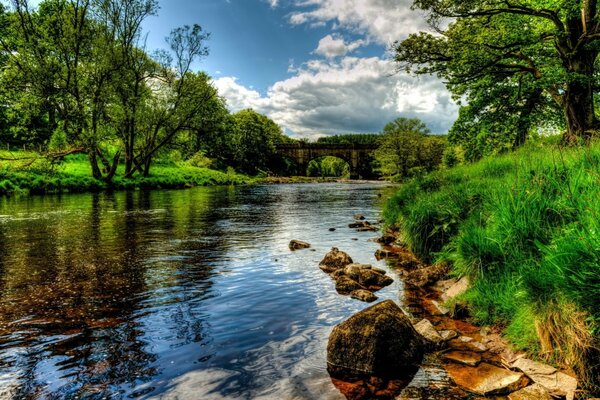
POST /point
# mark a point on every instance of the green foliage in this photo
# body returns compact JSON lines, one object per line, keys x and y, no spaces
{"x":328,"y":167}
{"x":406,"y":149}
{"x":58,"y":140}
{"x":524,"y":228}
{"x":358,"y":138}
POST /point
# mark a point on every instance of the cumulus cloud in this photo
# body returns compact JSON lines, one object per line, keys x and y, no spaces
{"x":334,"y":46}
{"x":383,"y":21}
{"x":347,"y":95}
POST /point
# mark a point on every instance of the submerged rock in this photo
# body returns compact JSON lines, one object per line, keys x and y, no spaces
{"x":298,"y":244}
{"x":335,"y":260}
{"x":363,"y":295}
{"x":486,"y":379}
{"x":379,"y":340}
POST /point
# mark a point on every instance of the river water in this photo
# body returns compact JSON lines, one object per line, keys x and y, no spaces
{"x":177,"y":294}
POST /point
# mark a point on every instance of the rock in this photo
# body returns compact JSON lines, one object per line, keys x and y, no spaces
{"x":467,"y":344}
{"x":367,"y":229}
{"x":337,"y":273}
{"x":334,"y":260}
{"x":353,"y":270}
{"x":428,"y":275}
{"x":557,"y":383}
{"x":345,"y":285}
{"x":359,"y":217}
{"x":370,"y":278}
{"x":382,"y":253}
{"x":486,"y":379}
{"x":439,"y":309}
{"x":298,"y":244}
{"x":386,"y":239}
{"x":456,"y":289}
{"x":463,"y":357}
{"x":379,"y":270}
{"x":379,"y":340}
{"x":331,"y":229}
{"x":362,"y":224}
{"x":363,"y":295}
{"x":448,"y":334}
{"x":427,"y":330}
{"x":533,"y":392}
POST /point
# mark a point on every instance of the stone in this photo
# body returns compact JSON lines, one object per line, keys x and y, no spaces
{"x":557,"y":383}
{"x":448,"y":334}
{"x":359,"y":217}
{"x":335,"y":260}
{"x":533,"y":392}
{"x":463,"y":357}
{"x":456,"y":289}
{"x":337,"y":273}
{"x":486,"y":379}
{"x":370,"y":278}
{"x":362,"y":224}
{"x":428,"y":331}
{"x":353,"y":270}
{"x":367,"y":229}
{"x":379,"y":340}
{"x":363,"y":295}
{"x":345,"y":285}
{"x":426,"y":276}
{"x":439,"y":309}
{"x":298,"y":245}
{"x":382,"y":253}
{"x":331,"y":229}
{"x":379,"y":270}
{"x":467,"y":344}
{"x":386,"y":239}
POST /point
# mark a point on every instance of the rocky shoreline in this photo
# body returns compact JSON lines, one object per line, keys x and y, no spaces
{"x":429,"y":349}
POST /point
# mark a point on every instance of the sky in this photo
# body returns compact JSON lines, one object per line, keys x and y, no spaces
{"x":316,"y":67}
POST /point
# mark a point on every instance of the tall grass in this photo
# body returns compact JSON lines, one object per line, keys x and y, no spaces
{"x":525,"y":228}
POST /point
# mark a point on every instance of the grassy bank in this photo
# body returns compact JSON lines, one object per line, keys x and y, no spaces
{"x":74,"y":175}
{"x":525,"y":228}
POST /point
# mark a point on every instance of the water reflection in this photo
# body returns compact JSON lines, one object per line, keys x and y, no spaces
{"x":142,"y":294}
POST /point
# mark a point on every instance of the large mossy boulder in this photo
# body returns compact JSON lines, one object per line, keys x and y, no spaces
{"x":334,"y":260}
{"x":379,"y":340}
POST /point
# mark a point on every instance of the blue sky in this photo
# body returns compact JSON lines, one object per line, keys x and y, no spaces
{"x":316,"y":67}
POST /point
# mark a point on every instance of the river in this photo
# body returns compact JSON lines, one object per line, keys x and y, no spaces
{"x":177,"y":294}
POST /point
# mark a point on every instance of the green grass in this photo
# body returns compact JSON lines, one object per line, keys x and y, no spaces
{"x":525,"y":228}
{"x":74,"y":175}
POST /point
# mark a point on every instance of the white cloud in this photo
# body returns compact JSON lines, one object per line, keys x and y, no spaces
{"x":334,"y":46}
{"x":348,"y":95}
{"x":383,"y":21}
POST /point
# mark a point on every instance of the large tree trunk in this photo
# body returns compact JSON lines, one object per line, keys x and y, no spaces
{"x":96,"y":173}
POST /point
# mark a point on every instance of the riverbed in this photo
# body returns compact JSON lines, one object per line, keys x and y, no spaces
{"x":178,"y":294}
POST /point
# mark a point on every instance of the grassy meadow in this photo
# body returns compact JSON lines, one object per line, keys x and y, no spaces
{"x":25,"y":176}
{"x":525,"y":228}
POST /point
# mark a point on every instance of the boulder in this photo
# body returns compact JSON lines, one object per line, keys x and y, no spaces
{"x":533,"y":392}
{"x":363,"y":295}
{"x":353,"y":270}
{"x":379,"y":340}
{"x":557,"y":383}
{"x":426,"y":276}
{"x":371,"y":279}
{"x":428,"y":331}
{"x":346,"y":285}
{"x":486,"y":379}
{"x":379,"y":270}
{"x":337,"y":273}
{"x":298,"y":244}
{"x":335,"y":260}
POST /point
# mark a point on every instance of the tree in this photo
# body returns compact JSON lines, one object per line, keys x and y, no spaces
{"x":254,"y":141}
{"x":537,"y":50}
{"x":405,"y":145}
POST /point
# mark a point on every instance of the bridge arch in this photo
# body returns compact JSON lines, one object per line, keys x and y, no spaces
{"x":356,"y":155}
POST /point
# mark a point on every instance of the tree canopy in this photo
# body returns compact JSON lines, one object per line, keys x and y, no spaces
{"x":517,"y":61}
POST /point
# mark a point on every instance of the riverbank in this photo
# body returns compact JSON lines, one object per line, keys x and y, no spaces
{"x":524,"y":229}
{"x":28,"y":176}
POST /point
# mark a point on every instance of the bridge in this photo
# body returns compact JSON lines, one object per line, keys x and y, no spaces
{"x":358,"y":156}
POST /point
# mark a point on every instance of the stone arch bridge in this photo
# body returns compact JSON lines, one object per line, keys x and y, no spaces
{"x":358,"y":156}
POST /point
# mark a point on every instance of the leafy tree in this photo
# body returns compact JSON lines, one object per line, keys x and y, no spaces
{"x":328,"y":166}
{"x":254,"y":140}
{"x":535,"y":51}
{"x":405,"y":145}
{"x":357,"y":138}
